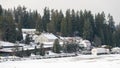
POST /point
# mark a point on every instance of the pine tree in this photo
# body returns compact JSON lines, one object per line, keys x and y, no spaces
{"x":100,"y":26}
{"x":87,"y":30}
{"x":35,"y":50}
{"x":73,"y":20}
{"x":27,"y":39}
{"x":51,"y":26}
{"x":39,"y":26}
{"x":56,"y":46}
{"x":110,"y":29}
{"x":1,"y":10}
{"x":69,"y":23}
{"x":42,"y":50}
{"x":64,"y":27}
{"x":27,"y":52}
{"x":96,"y":41}
{"x":60,"y":17}
{"x":81,"y":23}
{"x":8,"y":26}
{"x":46,"y":18}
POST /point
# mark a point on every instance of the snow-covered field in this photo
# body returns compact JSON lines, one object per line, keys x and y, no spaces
{"x":81,"y":61}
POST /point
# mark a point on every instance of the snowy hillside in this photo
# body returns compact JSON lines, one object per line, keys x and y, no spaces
{"x":82,"y":61}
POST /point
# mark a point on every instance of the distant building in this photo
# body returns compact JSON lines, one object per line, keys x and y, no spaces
{"x":71,"y":39}
{"x":29,"y":31}
{"x":99,"y":51}
{"x":115,"y":50}
{"x":7,"y":48}
{"x":45,"y":37}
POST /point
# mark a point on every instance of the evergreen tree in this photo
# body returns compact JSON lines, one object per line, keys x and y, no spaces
{"x":51,"y":26}
{"x":69,"y":23}
{"x":56,"y":46}
{"x":35,"y":50}
{"x":97,"y":41}
{"x":72,"y":47}
{"x":27,"y":53}
{"x":64,"y":27}
{"x":46,"y":18}
{"x":87,"y":30}
{"x":27,"y":39}
{"x":8,"y":28}
{"x":39,"y":26}
{"x":22,"y":53}
{"x":42,"y":50}
{"x":99,"y":25}
{"x":110,"y":30}
{"x":81,"y":23}
{"x":1,"y":10}
{"x":60,"y":17}
{"x":116,"y":37}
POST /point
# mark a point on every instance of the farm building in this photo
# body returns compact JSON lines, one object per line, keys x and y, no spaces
{"x":115,"y":50}
{"x":99,"y":51}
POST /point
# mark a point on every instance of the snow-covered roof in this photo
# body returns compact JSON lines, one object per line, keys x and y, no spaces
{"x":86,"y":41}
{"x":49,"y":35}
{"x":51,"y":43}
{"x":6,"y":50}
{"x":34,"y":37}
{"x":28,"y":29}
{"x":2,"y":43}
{"x":116,"y":49}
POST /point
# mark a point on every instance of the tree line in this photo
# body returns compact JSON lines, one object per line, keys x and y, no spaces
{"x":98,"y":28}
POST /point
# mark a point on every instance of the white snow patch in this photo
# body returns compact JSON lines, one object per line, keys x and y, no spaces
{"x":82,"y":61}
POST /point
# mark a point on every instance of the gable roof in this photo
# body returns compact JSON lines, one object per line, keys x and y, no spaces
{"x":28,"y":29}
{"x":49,"y":35}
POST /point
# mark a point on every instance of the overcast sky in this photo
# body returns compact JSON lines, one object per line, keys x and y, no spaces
{"x":108,"y":6}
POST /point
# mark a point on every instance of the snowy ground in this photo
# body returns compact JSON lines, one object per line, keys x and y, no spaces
{"x":81,"y":61}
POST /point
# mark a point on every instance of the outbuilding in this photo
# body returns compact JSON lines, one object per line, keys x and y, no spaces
{"x":99,"y":51}
{"x":115,"y":50}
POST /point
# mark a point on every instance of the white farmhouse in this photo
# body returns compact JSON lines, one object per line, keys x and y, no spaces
{"x":45,"y":37}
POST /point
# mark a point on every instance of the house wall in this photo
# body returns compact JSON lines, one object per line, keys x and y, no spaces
{"x":41,"y":39}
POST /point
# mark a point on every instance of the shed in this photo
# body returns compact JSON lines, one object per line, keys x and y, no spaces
{"x":99,"y":51}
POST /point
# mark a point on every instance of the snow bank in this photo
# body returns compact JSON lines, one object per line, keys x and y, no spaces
{"x":104,"y":61}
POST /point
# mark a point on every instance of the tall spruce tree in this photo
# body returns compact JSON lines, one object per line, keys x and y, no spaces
{"x":69,"y":23}
{"x":64,"y":27}
{"x":87,"y":30}
{"x":39,"y":26}
{"x":46,"y":18}
{"x":56,"y":46}
{"x":1,"y":10}
{"x":42,"y":50}
{"x":27,"y":39}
